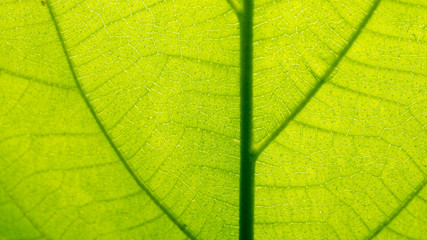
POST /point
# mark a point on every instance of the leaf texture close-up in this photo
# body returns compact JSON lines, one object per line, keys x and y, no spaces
{"x":213,"y":119}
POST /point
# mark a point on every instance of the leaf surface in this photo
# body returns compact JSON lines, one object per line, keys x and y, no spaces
{"x":120,"y":119}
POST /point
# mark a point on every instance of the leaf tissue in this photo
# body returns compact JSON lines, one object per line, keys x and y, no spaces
{"x":213,"y":119}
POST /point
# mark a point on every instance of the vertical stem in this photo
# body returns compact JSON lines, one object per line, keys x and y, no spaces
{"x":247,"y":163}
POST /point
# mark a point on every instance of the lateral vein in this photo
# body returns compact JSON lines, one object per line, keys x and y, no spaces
{"x":125,"y":162}
{"x":261,"y":146}
{"x":36,"y":226}
{"x":398,"y":210}
{"x":236,"y":8}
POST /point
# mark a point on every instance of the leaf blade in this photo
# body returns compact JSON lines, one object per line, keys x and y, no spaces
{"x":338,"y":166}
{"x":169,"y":81}
{"x":129,"y":168}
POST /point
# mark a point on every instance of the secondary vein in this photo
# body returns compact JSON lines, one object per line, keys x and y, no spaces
{"x":35,"y":225}
{"x":398,"y":210}
{"x":260,"y":147}
{"x":125,"y":162}
{"x":236,"y":8}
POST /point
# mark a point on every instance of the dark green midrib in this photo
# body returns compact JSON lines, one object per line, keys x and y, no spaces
{"x":250,"y":152}
{"x":125,"y":162}
{"x":247,"y":162}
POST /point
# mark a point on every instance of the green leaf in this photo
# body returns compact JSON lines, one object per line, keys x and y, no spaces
{"x":121,"y":119}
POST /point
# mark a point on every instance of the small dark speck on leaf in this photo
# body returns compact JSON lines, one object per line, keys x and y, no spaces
{"x":43,"y":3}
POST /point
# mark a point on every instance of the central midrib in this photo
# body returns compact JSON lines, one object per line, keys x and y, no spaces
{"x":247,"y":161}
{"x":249,"y":152}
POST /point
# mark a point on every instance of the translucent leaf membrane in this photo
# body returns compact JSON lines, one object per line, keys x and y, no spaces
{"x":352,"y":163}
{"x":162,"y":77}
{"x":120,"y":120}
{"x":59,"y":176}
